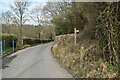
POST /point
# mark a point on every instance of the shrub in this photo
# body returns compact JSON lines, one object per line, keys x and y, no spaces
{"x":27,"y":40}
{"x":30,"y":41}
{"x":8,"y":39}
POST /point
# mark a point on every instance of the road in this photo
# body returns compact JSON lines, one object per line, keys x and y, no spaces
{"x":35,"y":62}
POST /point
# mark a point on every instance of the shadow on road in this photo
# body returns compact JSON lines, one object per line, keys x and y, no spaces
{"x":6,"y":61}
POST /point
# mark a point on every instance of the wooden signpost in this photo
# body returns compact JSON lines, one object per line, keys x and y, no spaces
{"x":75,"y":31}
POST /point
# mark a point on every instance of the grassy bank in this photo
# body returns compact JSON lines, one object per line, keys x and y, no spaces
{"x":10,"y":49}
{"x":84,"y":60}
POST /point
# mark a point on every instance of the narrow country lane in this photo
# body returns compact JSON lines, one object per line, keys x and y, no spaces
{"x":35,"y":62}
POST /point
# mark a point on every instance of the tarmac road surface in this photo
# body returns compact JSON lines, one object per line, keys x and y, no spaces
{"x":34,"y":62}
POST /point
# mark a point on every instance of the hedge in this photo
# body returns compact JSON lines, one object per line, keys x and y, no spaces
{"x":30,"y":41}
{"x":27,"y":40}
{"x":8,"y":39}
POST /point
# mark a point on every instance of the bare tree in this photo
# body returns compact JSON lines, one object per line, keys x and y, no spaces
{"x":20,"y":8}
{"x":37,"y":15}
{"x":7,"y":18}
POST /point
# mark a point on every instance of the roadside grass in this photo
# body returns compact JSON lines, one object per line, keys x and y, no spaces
{"x":20,"y":46}
{"x":88,"y":68}
{"x":7,"y":49}
{"x":10,"y":49}
{"x":83,"y":62}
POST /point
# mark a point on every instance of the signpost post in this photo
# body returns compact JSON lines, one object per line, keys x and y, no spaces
{"x":4,"y":45}
{"x":75,"y":37}
{"x":75,"y":31}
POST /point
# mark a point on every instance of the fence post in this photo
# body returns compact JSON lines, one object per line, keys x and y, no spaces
{"x":16,"y":44}
{"x":1,"y":48}
{"x":4,"y":45}
{"x":13,"y":45}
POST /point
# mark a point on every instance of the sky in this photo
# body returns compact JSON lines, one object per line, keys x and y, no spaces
{"x":5,"y":6}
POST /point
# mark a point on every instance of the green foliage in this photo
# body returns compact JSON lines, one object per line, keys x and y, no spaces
{"x":13,"y":37}
{"x":8,"y":49}
{"x":28,"y":40}
{"x":21,"y":46}
{"x":102,"y":59}
{"x":32,"y":41}
{"x":108,"y":32}
{"x":69,"y":15}
{"x":9,"y":38}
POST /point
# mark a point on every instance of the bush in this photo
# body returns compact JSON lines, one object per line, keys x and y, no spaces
{"x":27,"y":40}
{"x":8,"y":39}
{"x":30,"y":41}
